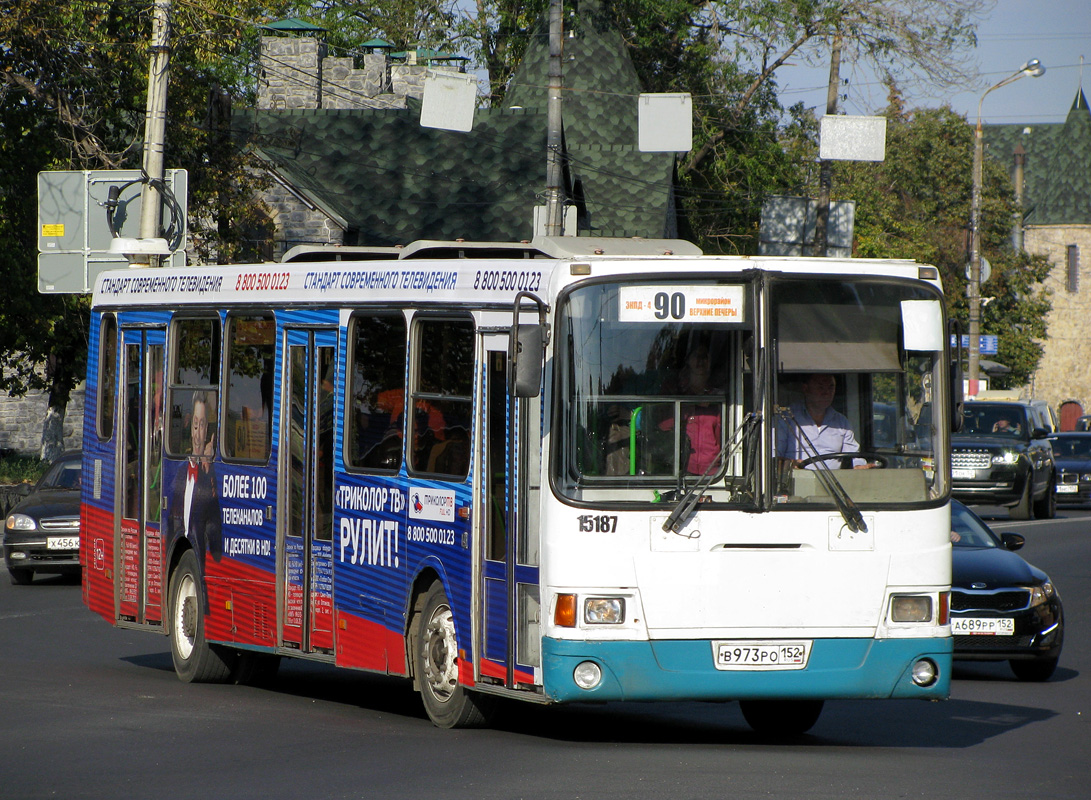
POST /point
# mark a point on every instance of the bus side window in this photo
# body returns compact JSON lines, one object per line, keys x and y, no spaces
{"x":194,"y":372}
{"x":376,"y":394}
{"x":442,"y":397}
{"x":248,"y":405}
{"x":107,"y":379}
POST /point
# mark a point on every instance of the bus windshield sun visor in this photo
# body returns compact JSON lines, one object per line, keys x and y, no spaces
{"x":853,"y":339}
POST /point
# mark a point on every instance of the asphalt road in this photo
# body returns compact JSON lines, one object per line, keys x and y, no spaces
{"x":89,"y":711}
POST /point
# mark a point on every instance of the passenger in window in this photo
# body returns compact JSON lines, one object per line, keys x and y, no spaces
{"x":815,"y":428}
{"x":1006,"y":426}
{"x":429,"y":429}
{"x":702,"y":421}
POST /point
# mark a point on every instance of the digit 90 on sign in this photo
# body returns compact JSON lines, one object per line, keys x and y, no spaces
{"x":670,"y":305}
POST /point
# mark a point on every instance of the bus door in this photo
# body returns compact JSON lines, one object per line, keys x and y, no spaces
{"x":139,"y":588}
{"x":508,"y":529}
{"x":305,"y":528}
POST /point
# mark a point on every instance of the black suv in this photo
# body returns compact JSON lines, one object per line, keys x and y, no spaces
{"x":1002,"y":457}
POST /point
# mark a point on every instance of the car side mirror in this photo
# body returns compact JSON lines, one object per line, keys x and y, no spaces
{"x":1013,"y":541}
{"x":1039,"y":433}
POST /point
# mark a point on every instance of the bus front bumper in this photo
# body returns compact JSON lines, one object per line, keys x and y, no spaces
{"x":685,"y":670}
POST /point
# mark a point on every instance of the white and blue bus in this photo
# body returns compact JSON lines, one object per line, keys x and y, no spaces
{"x":551,"y":471}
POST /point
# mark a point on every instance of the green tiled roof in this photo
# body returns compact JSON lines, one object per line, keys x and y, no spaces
{"x":628,"y":193}
{"x":294,"y":26}
{"x":1058,"y":165}
{"x":392,"y":181}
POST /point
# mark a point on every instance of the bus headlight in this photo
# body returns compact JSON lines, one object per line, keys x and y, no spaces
{"x":910,"y":608}
{"x":604,"y":610}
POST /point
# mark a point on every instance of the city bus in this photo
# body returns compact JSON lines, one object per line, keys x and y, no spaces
{"x":552,"y":471}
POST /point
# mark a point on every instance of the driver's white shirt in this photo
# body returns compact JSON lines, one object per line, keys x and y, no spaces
{"x":834,"y":435}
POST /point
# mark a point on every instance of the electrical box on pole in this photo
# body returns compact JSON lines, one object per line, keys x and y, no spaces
{"x":74,"y":236}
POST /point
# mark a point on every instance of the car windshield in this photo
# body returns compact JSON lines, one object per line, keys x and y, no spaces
{"x":1002,"y":420}
{"x":971,"y":531}
{"x":62,"y":475}
{"x":1071,"y":446}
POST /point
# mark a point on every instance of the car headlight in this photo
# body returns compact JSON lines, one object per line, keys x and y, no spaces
{"x":1040,"y":594}
{"x":604,"y":610}
{"x":21,"y":522}
{"x":1006,"y":458}
{"x":1086,"y":477}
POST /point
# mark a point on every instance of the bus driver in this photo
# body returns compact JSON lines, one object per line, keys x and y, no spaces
{"x":816,"y":428}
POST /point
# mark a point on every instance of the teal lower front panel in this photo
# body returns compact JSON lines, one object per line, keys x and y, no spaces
{"x":685,"y":670}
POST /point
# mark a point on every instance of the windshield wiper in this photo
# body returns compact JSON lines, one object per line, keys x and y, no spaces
{"x":677,"y":518}
{"x":850,"y":512}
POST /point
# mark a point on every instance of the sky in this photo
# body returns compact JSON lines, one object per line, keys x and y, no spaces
{"x":1056,"y":32}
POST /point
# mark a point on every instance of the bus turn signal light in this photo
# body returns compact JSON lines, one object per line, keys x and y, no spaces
{"x":564,"y":612}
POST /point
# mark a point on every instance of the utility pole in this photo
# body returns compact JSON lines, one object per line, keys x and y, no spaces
{"x":825,"y":175}
{"x":554,"y":172}
{"x":155,"y":124}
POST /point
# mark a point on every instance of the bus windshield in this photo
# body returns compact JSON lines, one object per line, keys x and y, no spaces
{"x":816,"y":392}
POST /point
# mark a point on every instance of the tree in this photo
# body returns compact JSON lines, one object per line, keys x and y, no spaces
{"x":73,"y":79}
{"x":728,"y":54}
{"x":916,"y":204}
{"x":404,"y":23}
{"x":497,"y":37}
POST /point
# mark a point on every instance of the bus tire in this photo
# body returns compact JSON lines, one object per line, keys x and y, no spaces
{"x":195,"y":660}
{"x":447,"y":703}
{"x":781,"y":717}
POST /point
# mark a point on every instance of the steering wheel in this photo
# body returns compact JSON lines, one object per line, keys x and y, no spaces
{"x":864,"y":454}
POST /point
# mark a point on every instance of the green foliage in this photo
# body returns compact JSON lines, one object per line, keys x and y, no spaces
{"x":497,"y":37}
{"x":73,"y":86}
{"x":406,"y":24}
{"x":916,"y":204}
{"x":21,"y":469}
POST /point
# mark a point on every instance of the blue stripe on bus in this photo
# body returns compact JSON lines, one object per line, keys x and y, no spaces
{"x":684,"y":670}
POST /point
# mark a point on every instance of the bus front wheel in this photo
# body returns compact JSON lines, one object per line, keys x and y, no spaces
{"x":781,"y":717}
{"x":448,"y":704}
{"x":195,"y":660}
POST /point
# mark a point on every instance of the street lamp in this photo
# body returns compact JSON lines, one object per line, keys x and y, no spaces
{"x":1034,"y":69}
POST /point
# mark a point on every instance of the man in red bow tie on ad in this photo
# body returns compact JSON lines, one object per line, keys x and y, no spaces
{"x":195,"y":506}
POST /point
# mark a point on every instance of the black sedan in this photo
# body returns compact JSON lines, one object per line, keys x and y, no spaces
{"x":42,"y":532}
{"x":1002,"y":608}
{"x":1072,"y":456}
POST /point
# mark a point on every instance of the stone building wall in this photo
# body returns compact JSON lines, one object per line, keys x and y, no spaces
{"x":1064,"y":373}
{"x":21,"y":421}
{"x":297,"y":221}
{"x":290,"y":72}
{"x":296,"y":73}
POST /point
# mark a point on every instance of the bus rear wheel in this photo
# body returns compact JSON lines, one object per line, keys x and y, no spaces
{"x":195,"y":660}
{"x":447,"y":703}
{"x":781,"y":717}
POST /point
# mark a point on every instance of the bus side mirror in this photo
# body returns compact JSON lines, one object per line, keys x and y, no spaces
{"x":526,"y":350}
